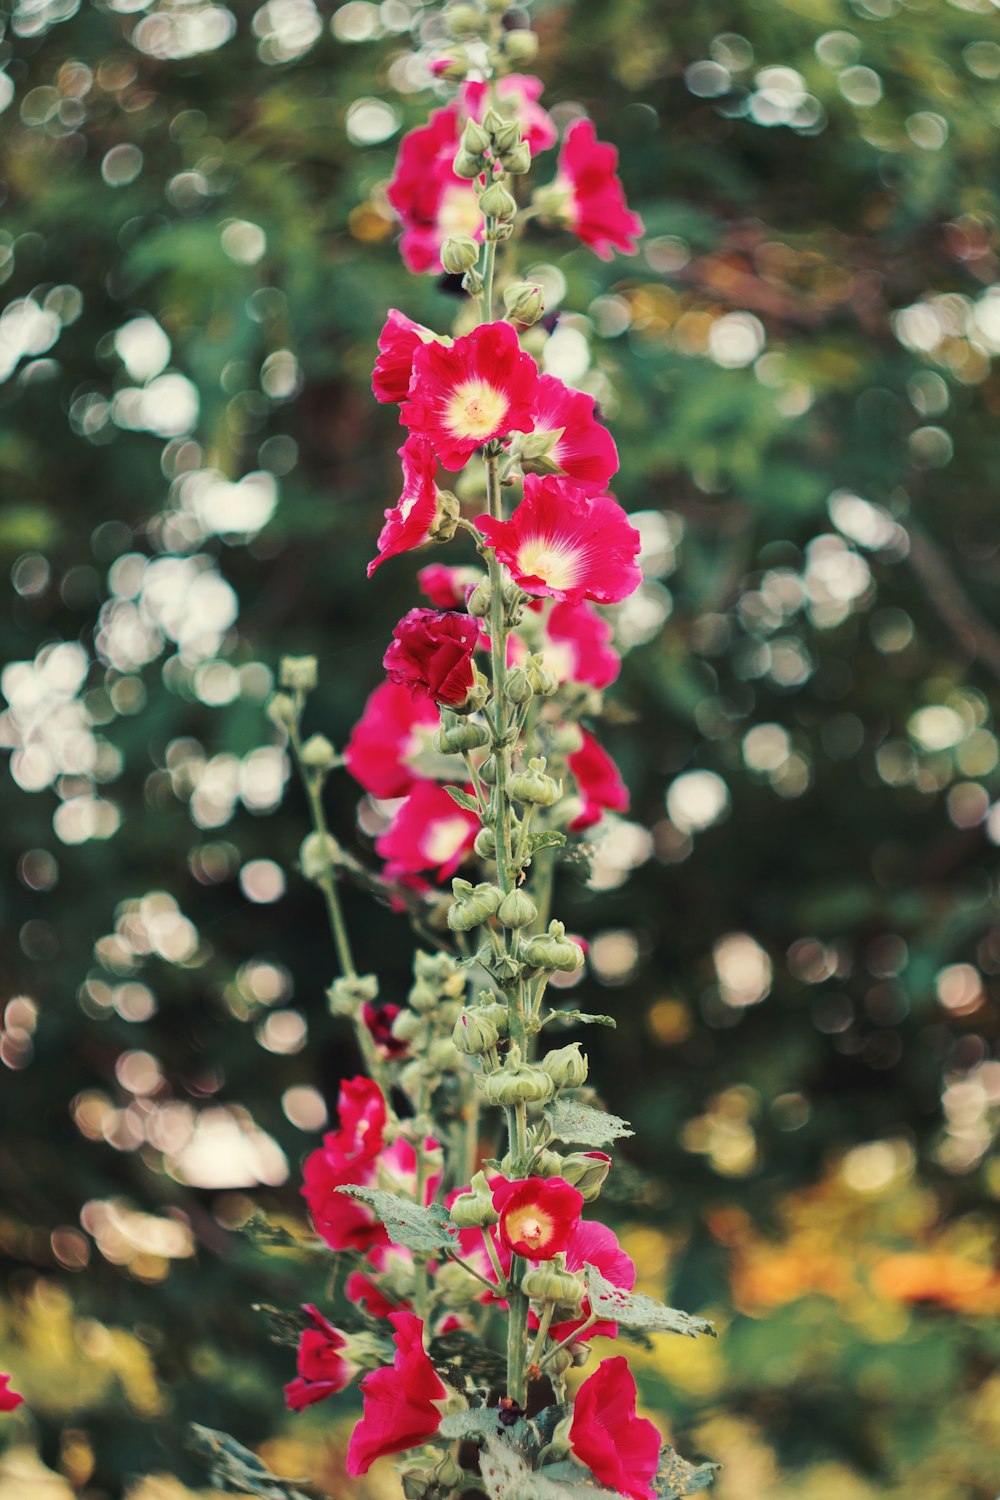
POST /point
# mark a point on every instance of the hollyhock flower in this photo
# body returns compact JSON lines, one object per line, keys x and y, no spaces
{"x":411,"y":521}
{"x":598,"y":781}
{"x":620,"y":1449}
{"x":389,"y":1264}
{"x":9,"y":1400}
{"x":569,"y":545}
{"x":323,"y":1363}
{"x":520,"y":92}
{"x":429,"y":198}
{"x":399,"y":338}
{"x":584,"y":450}
{"x":588,"y":193}
{"x":377,"y":1021}
{"x":428,"y":832}
{"x":481,"y":388}
{"x":431,"y":654}
{"x":448,"y":588}
{"x":537,"y":1215}
{"x":346,"y":1158}
{"x":577,"y":646}
{"x":393,"y":731}
{"x":404,"y":1404}
{"x":594,"y":1244}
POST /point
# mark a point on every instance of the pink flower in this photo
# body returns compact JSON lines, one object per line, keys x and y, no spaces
{"x":585,"y":452}
{"x":480,"y":388}
{"x":594,"y":1244}
{"x":410,"y":521}
{"x":393,"y":731}
{"x":429,"y":198}
{"x":598,"y":781}
{"x":429,"y":832}
{"x":520,"y":92}
{"x":403,"y":1404}
{"x":596,"y":207}
{"x":620,"y":1449}
{"x":366,"y":1290}
{"x":323,"y":1365}
{"x":578,"y":646}
{"x":537,"y":1215}
{"x":431,"y":654}
{"x":377,"y":1021}
{"x":565,"y":543}
{"x":9,"y":1400}
{"x":346,"y":1158}
{"x":399,"y":338}
{"x":448,"y":588}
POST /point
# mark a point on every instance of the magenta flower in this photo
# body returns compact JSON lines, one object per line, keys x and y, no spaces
{"x":410,"y":521}
{"x":620,"y":1449}
{"x":429,"y":198}
{"x":594,"y":1244}
{"x":399,"y":338}
{"x":589,"y":193}
{"x":480,"y":388}
{"x":578,"y":646}
{"x":323,"y":1363}
{"x":395,"y":728}
{"x":403,"y":1403}
{"x":598,"y":781}
{"x":585,"y":451}
{"x":567,"y":544}
{"x":431,"y":654}
{"x":428,"y":832}
{"x":9,"y":1400}
{"x":447,"y":588}
{"x":346,"y":1158}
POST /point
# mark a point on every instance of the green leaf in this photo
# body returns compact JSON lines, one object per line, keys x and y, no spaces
{"x":464,"y":799}
{"x":406,"y":1222}
{"x":634,"y":1310}
{"x":268,"y":1233}
{"x":580,"y":1018}
{"x":676,"y":1478}
{"x":479,"y":1422}
{"x":583,"y":1126}
{"x":235,"y":1468}
{"x":548,"y":838}
{"x":506,"y":1476}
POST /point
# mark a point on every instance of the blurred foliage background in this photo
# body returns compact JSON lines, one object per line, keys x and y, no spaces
{"x":797,"y":924}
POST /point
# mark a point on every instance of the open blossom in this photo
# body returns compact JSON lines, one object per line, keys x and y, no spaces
{"x":428,"y":832}
{"x":594,"y":1244}
{"x":431,"y":654}
{"x":448,"y":588}
{"x":620,"y":1449}
{"x":517,"y":96}
{"x":394,"y":730}
{"x":567,"y":544}
{"x":397,"y":343}
{"x":346,"y":1158}
{"x":480,"y":388}
{"x":577,"y":646}
{"x":323,"y":1363}
{"x":584,"y":450}
{"x":9,"y":1400}
{"x":430,"y":199}
{"x":598,"y":781}
{"x":404,"y":1403}
{"x":410,"y":522}
{"x":593,"y":199}
{"x":537,"y":1215}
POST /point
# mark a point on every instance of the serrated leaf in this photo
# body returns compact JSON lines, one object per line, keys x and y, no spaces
{"x":547,"y":838}
{"x":676,"y":1478}
{"x":583,"y":1126}
{"x":266,"y":1232}
{"x":506,"y":1476}
{"x":236,"y":1469}
{"x":464,"y":799}
{"x":634,"y":1310}
{"x":481,"y":1421}
{"x":406,"y":1222}
{"x":581,"y":1018}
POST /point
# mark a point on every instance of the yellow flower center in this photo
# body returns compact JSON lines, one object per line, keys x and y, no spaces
{"x":444,"y":839}
{"x":554,"y":565}
{"x":458,"y":211}
{"x":526,"y":1226}
{"x":476,"y":410}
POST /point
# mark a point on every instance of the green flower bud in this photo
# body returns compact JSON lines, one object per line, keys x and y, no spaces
{"x":524,"y":302}
{"x":448,"y":1474}
{"x":407,"y":1026}
{"x":473,"y":905}
{"x":567,"y":739}
{"x":520,"y":46}
{"x":492,"y":122}
{"x":553,"y":950}
{"x":587,"y":1171}
{"x":455,"y":1286}
{"x":423,"y":997}
{"x":459,"y":253}
{"x":516,"y":1082}
{"x":446,"y":517}
{"x":500,"y":229}
{"x":448,"y":1012}
{"x":444,"y":1056}
{"x":475,"y":140}
{"x":454,"y":64}
{"x":516,"y":910}
{"x":486,"y":843}
{"x":547,"y":1164}
{"x":488,"y":771}
{"x":534,"y":787}
{"x":318,"y":754}
{"x":497,"y":203}
{"x":474,"y":1209}
{"x":475,"y":1033}
{"x":504,"y":967}
{"x":281,"y":710}
{"x":544,"y":682}
{"x":566,"y":1066}
{"x":458,"y":737}
{"x":472,"y":283}
{"x":518,"y":159}
{"x":579,"y":1354}
{"x":519,"y":689}
{"x":559,"y":1364}
{"x":299,"y":674}
{"x":318,"y":852}
{"x":552,"y":1283}
{"x":347,"y":994}
{"x":465,"y":20}
{"x":479,"y":600}
{"x":466,"y":165}
{"x":506,"y":137}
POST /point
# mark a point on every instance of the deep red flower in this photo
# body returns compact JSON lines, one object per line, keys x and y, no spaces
{"x":403,"y":1404}
{"x":585,"y":451}
{"x":346,"y":1158}
{"x":482,"y":387}
{"x":431,"y":654}
{"x":410,"y":521}
{"x":377,"y":1020}
{"x":394,"y":730}
{"x":429,"y":198}
{"x":9,"y":1400}
{"x":399,"y":338}
{"x":577,"y":646}
{"x":595,"y":204}
{"x":428,"y":832}
{"x":520,"y":92}
{"x":620,"y":1449}
{"x":598,"y":781}
{"x":537,"y":1215}
{"x":447,"y":588}
{"x":323,"y":1363}
{"x":569,"y":545}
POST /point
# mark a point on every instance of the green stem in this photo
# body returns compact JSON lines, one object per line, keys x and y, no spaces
{"x":517,"y":1336}
{"x":471,"y":1270}
{"x":543,"y":1332}
{"x":570,"y":1339}
{"x":489,"y":268}
{"x":327,"y":883}
{"x":491,"y":1251}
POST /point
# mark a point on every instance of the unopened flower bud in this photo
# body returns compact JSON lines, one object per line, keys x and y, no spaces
{"x":463,"y":736}
{"x":493,"y":121}
{"x":519,"y":689}
{"x":299,"y":674}
{"x":459,"y":253}
{"x":500,"y":229}
{"x":474,"y":1208}
{"x":318,"y":852}
{"x":518,"y":159}
{"x":281,"y":710}
{"x":452,"y":63}
{"x":479,"y":600}
{"x":524,"y":302}
{"x":497,"y":203}
{"x":455,"y":1286}
{"x":423,"y":997}
{"x":520,"y":46}
{"x":475,"y":1033}
{"x":516,"y":1082}
{"x":445,"y":522}
{"x":506,"y":137}
{"x":486,"y":843}
{"x":472,"y":283}
{"x":516,"y":910}
{"x":587,"y":1171}
{"x":466,"y":165}
{"x":534,"y":787}
{"x":495,"y":1012}
{"x":475,"y":138}
{"x":448,"y":1475}
{"x":566,"y":1066}
{"x":473,"y":905}
{"x":440,"y":971}
{"x":488,"y":771}
{"x":465,"y":20}
{"x":544,"y":682}
{"x":551,"y":1283}
{"x":567,"y":739}
{"x":318,"y":754}
{"x":407,"y":1026}
{"x":547,"y":1164}
{"x":553,"y":950}
{"x":347,"y":994}
{"x":444,"y":1056}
